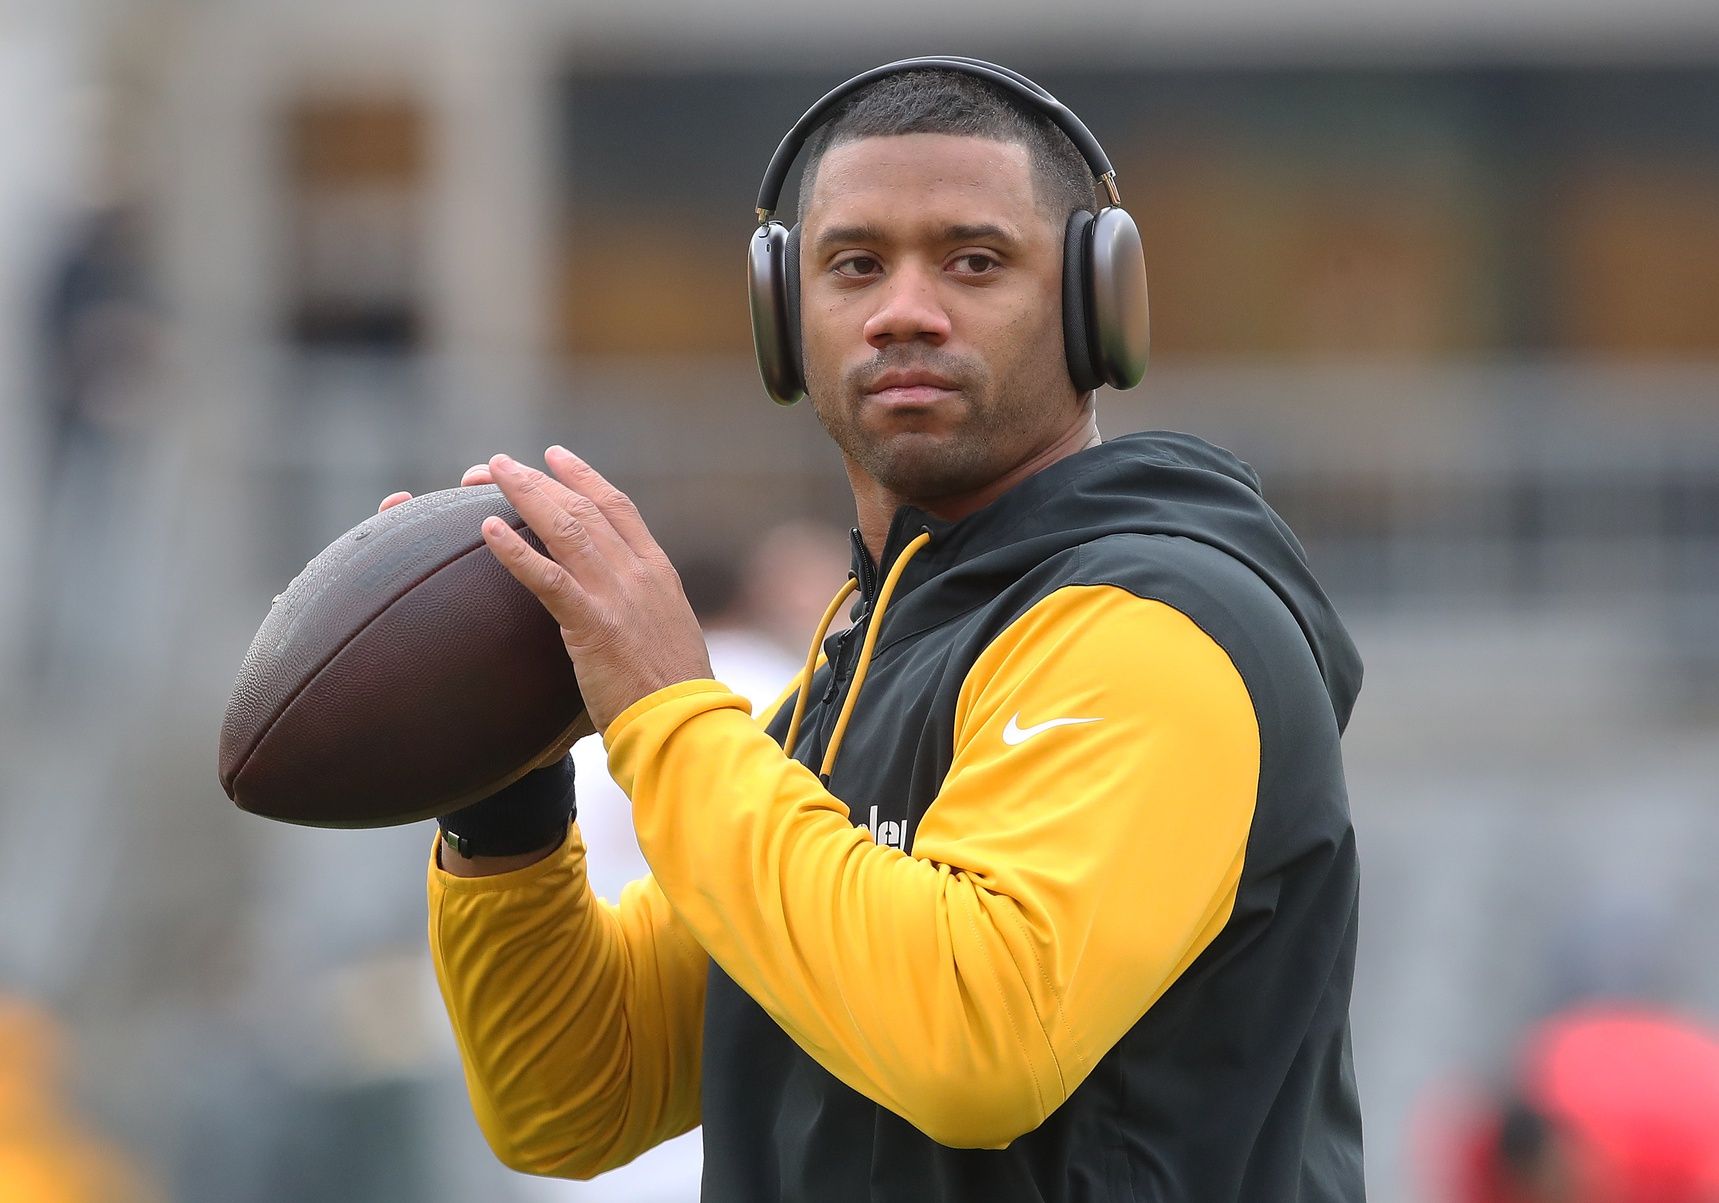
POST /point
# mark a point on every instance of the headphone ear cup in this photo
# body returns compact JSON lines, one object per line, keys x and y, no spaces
{"x":1119,"y":321}
{"x":1077,"y":341}
{"x":791,"y":313}
{"x":775,"y":321}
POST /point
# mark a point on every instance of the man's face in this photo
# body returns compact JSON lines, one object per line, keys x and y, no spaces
{"x":931,"y":311}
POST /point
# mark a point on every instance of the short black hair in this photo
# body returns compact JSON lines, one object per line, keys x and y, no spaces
{"x":933,"y":101}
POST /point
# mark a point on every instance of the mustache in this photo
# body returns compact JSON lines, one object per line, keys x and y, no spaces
{"x":958,"y":369}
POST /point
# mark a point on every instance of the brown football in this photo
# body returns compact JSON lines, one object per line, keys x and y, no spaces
{"x":403,"y":674}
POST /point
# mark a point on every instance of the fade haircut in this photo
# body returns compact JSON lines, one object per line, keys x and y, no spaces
{"x":935,"y":101}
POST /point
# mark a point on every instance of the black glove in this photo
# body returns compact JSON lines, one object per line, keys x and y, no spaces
{"x":530,"y":814}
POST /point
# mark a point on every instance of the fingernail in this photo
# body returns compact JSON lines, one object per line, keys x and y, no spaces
{"x":558,"y":449}
{"x":501,"y":463}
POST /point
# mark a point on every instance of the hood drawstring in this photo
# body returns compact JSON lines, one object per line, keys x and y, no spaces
{"x":860,"y":667}
{"x":812,"y":662}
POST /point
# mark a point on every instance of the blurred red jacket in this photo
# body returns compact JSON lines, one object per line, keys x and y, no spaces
{"x":1633,"y":1095}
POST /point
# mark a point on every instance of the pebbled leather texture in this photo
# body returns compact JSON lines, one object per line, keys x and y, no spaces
{"x":403,"y":674}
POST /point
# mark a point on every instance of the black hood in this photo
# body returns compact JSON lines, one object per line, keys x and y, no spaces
{"x":1158,"y":483}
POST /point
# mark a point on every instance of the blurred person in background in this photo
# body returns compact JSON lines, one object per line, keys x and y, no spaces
{"x":1607,"y":1105}
{"x":48,"y":1154}
{"x":786,"y":586}
{"x":1119,"y":952}
{"x":725,"y":594}
{"x":100,"y":330}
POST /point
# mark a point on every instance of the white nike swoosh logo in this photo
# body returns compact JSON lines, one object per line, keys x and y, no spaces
{"x":1014,"y":733}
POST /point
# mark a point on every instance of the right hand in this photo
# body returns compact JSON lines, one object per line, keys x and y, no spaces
{"x":479,"y":474}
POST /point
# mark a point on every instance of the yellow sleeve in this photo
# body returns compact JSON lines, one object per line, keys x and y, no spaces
{"x":1061,"y":880}
{"x":579,"y":1022}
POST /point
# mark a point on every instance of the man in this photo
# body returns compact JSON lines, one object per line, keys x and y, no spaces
{"x":1054,"y":895}
{"x":1609,"y":1103}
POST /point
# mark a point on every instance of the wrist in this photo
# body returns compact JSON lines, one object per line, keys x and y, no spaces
{"x":455,"y":865}
{"x":527,"y":818}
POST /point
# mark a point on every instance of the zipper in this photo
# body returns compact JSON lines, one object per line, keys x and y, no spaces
{"x":841,"y":673}
{"x":867,"y":570}
{"x":868,"y":594}
{"x":837,"y":675}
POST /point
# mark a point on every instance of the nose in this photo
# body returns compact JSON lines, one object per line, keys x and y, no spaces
{"x":909,"y":310}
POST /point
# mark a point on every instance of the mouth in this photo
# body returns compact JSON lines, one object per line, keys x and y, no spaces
{"x":911,"y":388}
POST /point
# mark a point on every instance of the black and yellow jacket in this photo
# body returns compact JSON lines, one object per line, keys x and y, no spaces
{"x":1055,"y":898}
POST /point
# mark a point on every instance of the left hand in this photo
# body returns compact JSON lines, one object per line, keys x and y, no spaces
{"x":624,"y":618}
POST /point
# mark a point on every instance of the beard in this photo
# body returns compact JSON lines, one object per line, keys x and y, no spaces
{"x":955,"y":446}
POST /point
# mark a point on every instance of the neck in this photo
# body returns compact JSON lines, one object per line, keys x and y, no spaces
{"x":876,"y":504}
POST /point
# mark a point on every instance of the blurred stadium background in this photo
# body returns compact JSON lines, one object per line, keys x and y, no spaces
{"x":1447,"y":274}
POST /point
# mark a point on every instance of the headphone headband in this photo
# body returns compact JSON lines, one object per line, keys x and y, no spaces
{"x":1029,"y":93}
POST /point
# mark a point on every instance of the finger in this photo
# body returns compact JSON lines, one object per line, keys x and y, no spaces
{"x":548,"y":581}
{"x":392,"y":500}
{"x":477,"y":474}
{"x":572,"y":528}
{"x":613,"y":504}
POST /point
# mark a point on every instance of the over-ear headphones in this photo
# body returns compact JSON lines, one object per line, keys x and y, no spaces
{"x":1105,"y":323}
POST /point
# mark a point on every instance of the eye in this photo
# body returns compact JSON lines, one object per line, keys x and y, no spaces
{"x":857,"y":267}
{"x":974,"y":263}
